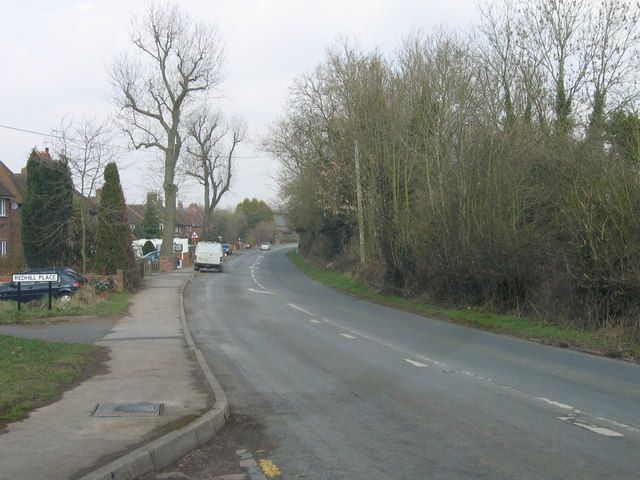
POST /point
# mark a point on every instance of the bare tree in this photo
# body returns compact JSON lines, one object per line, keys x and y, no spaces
{"x":210,"y":146}
{"x":87,"y":145}
{"x":499,"y":51}
{"x":178,"y":59}
{"x":558,"y":33}
{"x":614,"y":67}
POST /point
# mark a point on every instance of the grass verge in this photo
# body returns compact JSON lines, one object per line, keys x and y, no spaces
{"x":603,"y":342}
{"x":33,"y":373}
{"x":83,"y":303}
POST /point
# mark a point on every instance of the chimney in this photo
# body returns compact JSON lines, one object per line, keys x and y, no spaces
{"x":98,"y":192}
{"x":180,"y":206}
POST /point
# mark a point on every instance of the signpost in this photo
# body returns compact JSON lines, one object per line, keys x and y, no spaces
{"x":34,"y":277}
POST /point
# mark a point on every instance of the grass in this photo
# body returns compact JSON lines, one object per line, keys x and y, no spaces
{"x":84,"y":303}
{"x":605,"y":342}
{"x":33,"y":372}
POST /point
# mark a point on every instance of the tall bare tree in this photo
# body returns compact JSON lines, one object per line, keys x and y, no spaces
{"x":559,"y":34}
{"x":614,"y":67}
{"x":210,"y":146}
{"x":177,"y":61}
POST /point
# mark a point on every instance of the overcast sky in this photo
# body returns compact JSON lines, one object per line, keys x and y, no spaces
{"x":53,"y":56}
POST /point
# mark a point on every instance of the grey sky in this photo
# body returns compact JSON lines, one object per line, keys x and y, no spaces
{"x":53,"y":56}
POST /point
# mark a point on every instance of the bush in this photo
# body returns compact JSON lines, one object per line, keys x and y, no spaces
{"x":102,"y":284}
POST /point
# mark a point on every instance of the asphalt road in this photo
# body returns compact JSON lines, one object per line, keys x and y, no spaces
{"x":325,"y":386}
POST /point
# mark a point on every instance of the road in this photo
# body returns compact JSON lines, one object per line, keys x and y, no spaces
{"x":325,"y":386}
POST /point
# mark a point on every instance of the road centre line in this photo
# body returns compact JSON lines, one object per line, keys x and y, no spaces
{"x":505,"y":387}
{"x":260,"y":291}
{"x":559,"y":405}
{"x":599,"y":430}
{"x":618,"y":424}
{"x":346,"y":335}
{"x":300,"y":309}
{"x":414,"y":363}
{"x":313,"y":320}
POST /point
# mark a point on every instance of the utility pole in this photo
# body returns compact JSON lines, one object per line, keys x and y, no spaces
{"x":359,"y":200}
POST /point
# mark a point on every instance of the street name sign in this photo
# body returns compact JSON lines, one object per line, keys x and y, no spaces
{"x":35,"y":277}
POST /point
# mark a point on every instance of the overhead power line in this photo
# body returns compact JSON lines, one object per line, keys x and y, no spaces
{"x":128,"y":149}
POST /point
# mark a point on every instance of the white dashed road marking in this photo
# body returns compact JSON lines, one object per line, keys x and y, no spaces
{"x":599,"y":430}
{"x":260,"y":291}
{"x":414,"y":363}
{"x":559,"y":405}
{"x":346,"y":335}
{"x":300,"y":309}
{"x":313,"y":320}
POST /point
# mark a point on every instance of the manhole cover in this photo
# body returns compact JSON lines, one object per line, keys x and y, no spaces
{"x":142,"y":409}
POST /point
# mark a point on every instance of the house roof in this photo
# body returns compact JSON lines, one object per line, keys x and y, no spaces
{"x":10,"y":186}
{"x":135,"y":214}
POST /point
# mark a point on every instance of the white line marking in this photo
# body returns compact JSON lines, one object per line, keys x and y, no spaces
{"x":346,"y":335}
{"x":260,"y":285}
{"x":432,"y":361}
{"x":618,"y":424}
{"x":260,"y":291}
{"x":599,"y":430}
{"x":313,"y":320}
{"x":300,"y":309}
{"x":563,"y":406}
{"x":414,"y":363}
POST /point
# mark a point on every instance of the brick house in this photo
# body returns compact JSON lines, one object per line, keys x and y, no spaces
{"x":12,"y":190}
{"x":187,"y":220}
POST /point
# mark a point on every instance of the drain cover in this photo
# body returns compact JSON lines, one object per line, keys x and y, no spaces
{"x":143,"y":409}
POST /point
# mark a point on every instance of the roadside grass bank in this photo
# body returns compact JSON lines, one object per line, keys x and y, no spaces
{"x":33,"y":373}
{"x":608,"y":342}
{"x":85,"y":302}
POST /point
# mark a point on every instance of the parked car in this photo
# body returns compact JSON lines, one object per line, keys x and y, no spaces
{"x":68,"y":270}
{"x":247,"y":246}
{"x":226,"y":249}
{"x":265,"y":246}
{"x":208,"y":255}
{"x":68,"y":283}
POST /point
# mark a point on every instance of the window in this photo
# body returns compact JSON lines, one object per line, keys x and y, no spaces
{"x":161,"y":226}
{"x":3,"y":248}
{"x":3,"y":207}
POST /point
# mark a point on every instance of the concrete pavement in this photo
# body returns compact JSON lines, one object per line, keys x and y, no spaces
{"x":151,"y":361}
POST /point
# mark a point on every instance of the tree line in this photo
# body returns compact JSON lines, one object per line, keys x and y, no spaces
{"x":498,"y":168}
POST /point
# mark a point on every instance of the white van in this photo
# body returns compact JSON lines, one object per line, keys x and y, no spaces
{"x":208,"y":255}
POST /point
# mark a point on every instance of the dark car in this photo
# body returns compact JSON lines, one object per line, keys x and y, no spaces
{"x":68,"y":283}
{"x":226,"y":249}
{"x":152,"y":256}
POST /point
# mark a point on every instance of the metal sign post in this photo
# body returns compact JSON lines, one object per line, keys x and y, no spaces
{"x":34,"y":277}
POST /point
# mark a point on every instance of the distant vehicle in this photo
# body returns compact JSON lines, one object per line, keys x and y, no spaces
{"x":208,"y":255}
{"x":68,"y":283}
{"x":247,"y":246}
{"x":265,"y":246}
{"x":226,"y":249}
{"x":152,"y":257}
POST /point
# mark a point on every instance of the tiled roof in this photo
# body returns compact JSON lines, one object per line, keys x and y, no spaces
{"x":9,"y":184}
{"x":135,"y":213}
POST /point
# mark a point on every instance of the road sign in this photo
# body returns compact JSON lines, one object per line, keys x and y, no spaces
{"x":35,"y":277}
